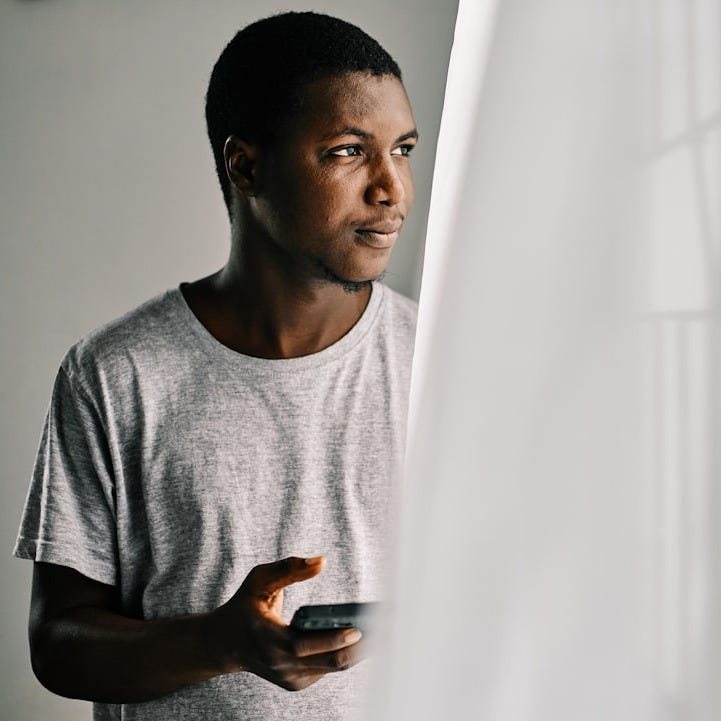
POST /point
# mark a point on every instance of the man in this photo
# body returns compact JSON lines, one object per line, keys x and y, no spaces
{"x":254,"y":415}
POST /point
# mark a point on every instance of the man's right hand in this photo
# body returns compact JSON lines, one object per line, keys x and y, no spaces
{"x":256,"y":639}
{"x":82,"y":646}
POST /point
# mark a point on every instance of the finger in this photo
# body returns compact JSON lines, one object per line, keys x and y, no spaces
{"x":271,"y":577}
{"x":310,"y":643}
{"x":296,"y":682}
{"x":339,"y":660}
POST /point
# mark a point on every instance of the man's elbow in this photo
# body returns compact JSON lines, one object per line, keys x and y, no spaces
{"x":47,"y":658}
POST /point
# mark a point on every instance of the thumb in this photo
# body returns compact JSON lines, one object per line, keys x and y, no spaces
{"x":272,"y":577}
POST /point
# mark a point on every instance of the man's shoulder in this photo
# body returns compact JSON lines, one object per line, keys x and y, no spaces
{"x":141,"y":333}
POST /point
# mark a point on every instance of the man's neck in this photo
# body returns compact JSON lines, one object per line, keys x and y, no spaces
{"x":262,"y":309}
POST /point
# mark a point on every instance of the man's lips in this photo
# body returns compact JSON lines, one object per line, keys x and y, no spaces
{"x":379,"y":236}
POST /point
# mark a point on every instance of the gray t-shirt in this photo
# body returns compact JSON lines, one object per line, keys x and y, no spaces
{"x":170,"y":465}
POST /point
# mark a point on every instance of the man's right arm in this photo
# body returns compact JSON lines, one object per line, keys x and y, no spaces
{"x":83,"y":647}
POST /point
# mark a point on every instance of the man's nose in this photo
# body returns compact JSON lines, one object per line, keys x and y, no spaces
{"x":385,"y":184}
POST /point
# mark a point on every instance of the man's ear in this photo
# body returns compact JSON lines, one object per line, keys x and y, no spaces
{"x":241,"y":164}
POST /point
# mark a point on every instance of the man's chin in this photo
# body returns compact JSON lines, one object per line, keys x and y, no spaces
{"x":349,"y":286}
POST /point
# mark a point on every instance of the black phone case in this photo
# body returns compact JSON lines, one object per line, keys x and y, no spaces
{"x":333,"y":616}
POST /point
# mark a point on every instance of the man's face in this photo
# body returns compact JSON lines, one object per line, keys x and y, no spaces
{"x":335,"y":189}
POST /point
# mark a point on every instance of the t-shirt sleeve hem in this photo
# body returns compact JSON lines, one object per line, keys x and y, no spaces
{"x":79,"y":559}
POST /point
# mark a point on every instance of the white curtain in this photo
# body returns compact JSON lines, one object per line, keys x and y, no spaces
{"x":560,"y":536}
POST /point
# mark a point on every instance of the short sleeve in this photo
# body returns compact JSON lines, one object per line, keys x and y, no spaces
{"x":69,"y":515}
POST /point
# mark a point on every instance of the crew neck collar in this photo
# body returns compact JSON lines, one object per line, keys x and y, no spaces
{"x":216,"y":350}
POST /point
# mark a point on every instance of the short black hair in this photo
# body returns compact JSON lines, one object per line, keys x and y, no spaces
{"x":258,"y":80}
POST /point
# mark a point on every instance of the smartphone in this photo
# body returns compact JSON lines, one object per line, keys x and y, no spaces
{"x":335,"y":615}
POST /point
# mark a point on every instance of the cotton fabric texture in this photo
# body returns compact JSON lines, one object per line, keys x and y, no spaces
{"x":170,"y":465}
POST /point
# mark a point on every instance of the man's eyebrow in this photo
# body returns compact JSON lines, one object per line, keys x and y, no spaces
{"x":412,"y":134}
{"x":348,"y":131}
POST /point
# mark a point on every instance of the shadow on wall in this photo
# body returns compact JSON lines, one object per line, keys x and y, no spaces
{"x":682,"y":299}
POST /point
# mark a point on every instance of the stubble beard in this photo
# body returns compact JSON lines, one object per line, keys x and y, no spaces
{"x":349,"y":286}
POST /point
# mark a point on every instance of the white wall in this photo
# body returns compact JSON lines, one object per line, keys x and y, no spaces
{"x":108,"y":195}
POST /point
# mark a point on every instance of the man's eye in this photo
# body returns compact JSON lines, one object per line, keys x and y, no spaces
{"x":347,"y":151}
{"x":403,"y":150}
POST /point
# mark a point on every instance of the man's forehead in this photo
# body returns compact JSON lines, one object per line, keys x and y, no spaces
{"x":351,"y":100}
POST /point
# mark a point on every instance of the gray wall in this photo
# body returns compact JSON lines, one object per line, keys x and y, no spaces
{"x":108,"y":195}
